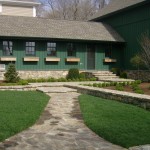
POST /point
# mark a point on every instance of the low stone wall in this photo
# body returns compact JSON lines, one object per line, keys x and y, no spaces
{"x":125,"y":97}
{"x":42,"y":74}
{"x":143,"y":75}
{"x":18,"y":88}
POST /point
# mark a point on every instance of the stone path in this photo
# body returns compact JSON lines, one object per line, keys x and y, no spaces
{"x":60,"y":127}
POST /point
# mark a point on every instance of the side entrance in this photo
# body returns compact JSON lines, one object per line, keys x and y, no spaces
{"x":90,"y":57}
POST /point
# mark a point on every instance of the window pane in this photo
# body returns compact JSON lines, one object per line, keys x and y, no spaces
{"x":51,"y":49}
{"x":71,"y":49}
{"x":7,"y":48}
{"x":30,"y":48}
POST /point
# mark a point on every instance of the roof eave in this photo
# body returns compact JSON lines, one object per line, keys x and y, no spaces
{"x":64,"y":39}
{"x":118,"y":11}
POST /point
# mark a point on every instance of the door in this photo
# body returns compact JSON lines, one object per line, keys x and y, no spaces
{"x":91,"y":57}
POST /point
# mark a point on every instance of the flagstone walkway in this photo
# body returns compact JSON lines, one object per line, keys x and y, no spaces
{"x":60,"y":127}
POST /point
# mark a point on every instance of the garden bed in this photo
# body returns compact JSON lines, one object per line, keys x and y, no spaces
{"x":144,"y":86}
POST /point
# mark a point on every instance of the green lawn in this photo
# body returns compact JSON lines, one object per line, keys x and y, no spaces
{"x":119,"y":123}
{"x":19,"y":110}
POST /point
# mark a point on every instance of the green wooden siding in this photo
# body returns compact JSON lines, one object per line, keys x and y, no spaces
{"x":130,"y":24}
{"x":81,"y":52}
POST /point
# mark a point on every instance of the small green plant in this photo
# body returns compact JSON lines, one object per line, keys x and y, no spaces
{"x":11,"y":74}
{"x":139,"y":91}
{"x":100,"y":85}
{"x":103,"y":84}
{"x":123,"y":75}
{"x":23,"y":82}
{"x":119,"y":87}
{"x":73,"y":73}
{"x":116,"y":71}
{"x":111,"y":83}
{"x":138,"y":82}
{"x":82,"y":75}
{"x":95,"y":85}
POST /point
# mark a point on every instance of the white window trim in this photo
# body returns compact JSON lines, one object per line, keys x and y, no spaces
{"x":0,"y":8}
{"x":34,"y":11}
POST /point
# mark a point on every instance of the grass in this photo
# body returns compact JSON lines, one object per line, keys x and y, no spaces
{"x":19,"y":110}
{"x":119,"y":123}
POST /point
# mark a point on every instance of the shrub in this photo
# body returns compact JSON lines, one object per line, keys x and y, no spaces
{"x":111,"y":83}
{"x":41,"y":80}
{"x":23,"y":82}
{"x":123,"y":75}
{"x":93,"y":79}
{"x":82,"y":75}
{"x":31,"y":80}
{"x":11,"y":74}
{"x":100,"y":85}
{"x":61,"y":80}
{"x":115,"y":83}
{"x":138,"y":82}
{"x":116,"y":71}
{"x":139,"y":91}
{"x":73,"y":74}
{"x":51,"y":79}
{"x":103,"y":84}
{"x":119,"y":87}
{"x":95,"y":85}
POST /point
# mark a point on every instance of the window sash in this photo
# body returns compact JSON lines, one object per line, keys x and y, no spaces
{"x":71,"y":49}
{"x":7,"y":48}
{"x":30,"y":49}
{"x":51,"y":49}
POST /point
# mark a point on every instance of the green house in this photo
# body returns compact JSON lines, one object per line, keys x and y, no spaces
{"x":44,"y":47}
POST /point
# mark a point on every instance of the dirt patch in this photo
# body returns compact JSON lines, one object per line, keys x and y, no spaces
{"x":45,"y":116}
{"x":76,"y":112}
{"x":144,"y":86}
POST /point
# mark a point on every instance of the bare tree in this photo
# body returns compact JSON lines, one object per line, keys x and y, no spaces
{"x":71,"y":9}
{"x":145,"y":52}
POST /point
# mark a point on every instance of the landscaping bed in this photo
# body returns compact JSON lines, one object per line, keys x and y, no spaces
{"x":133,"y":87}
{"x":119,"y":123}
{"x":145,"y":87}
{"x":19,"y":110}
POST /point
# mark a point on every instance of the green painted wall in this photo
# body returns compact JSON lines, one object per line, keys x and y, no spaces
{"x":130,"y":24}
{"x":19,"y":53}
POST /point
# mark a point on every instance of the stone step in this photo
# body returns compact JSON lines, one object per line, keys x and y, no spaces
{"x":106,"y":77}
{"x":104,"y":74}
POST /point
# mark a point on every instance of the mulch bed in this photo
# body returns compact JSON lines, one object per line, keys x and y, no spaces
{"x":143,"y":86}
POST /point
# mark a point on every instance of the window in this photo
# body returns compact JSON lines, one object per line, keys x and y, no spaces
{"x":51,"y":49}
{"x":30,"y":49}
{"x":7,"y":48}
{"x":71,"y":49}
{"x":108,"y":53}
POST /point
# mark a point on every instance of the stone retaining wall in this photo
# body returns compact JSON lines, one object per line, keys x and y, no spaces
{"x":18,"y":88}
{"x":42,"y":74}
{"x":143,"y":75}
{"x":125,"y":97}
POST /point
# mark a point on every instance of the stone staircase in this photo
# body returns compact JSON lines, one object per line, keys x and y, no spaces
{"x":104,"y":75}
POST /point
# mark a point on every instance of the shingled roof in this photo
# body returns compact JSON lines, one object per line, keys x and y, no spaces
{"x":12,"y":26}
{"x":116,"y":6}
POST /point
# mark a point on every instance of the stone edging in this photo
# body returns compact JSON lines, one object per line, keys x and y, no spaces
{"x":18,"y":88}
{"x":125,"y":97}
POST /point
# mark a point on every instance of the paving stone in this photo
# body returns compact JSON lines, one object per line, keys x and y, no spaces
{"x":60,"y":127}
